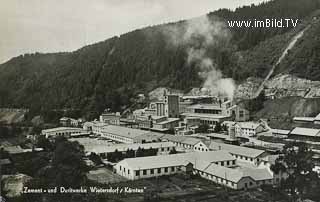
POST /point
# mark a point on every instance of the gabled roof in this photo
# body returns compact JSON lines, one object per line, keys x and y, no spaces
{"x":234,"y":175}
{"x":317,"y":118}
{"x":181,"y":139}
{"x":176,"y":159}
{"x":306,"y":132}
{"x":249,"y":125}
{"x":257,"y":174}
{"x":237,"y":150}
{"x":230,"y":174}
{"x":191,"y":141}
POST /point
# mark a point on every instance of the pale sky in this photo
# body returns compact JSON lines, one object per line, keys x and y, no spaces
{"x":28,"y":26}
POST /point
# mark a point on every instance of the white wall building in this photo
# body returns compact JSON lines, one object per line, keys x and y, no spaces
{"x":162,"y":147}
{"x":218,"y":166}
{"x":147,"y":167}
{"x":248,"y":129}
{"x":245,"y":154}
{"x":62,"y":131}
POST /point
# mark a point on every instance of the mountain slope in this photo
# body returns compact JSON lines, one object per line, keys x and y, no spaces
{"x":110,"y":73}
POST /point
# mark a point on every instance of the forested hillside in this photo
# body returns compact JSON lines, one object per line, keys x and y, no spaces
{"x":110,"y":73}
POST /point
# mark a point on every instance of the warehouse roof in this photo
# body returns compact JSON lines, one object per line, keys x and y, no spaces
{"x":257,"y":174}
{"x":124,"y":147}
{"x":201,"y":115}
{"x":280,"y":131}
{"x":176,"y":159}
{"x":181,"y":139}
{"x":149,"y":137}
{"x":123,"y":131}
{"x":306,"y":132}
{"x":230,"y":174}
{"x":61,"y":129}
{"x":233,"y":149}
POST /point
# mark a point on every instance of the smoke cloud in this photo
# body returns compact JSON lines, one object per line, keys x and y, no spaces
{"x":198,"y":35}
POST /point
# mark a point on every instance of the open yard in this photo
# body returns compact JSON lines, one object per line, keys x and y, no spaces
{"x":104,"y":176}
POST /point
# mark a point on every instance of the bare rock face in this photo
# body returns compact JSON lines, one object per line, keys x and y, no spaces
{"x":247,"y":89}
{"x":282,"y":85}
{"x":288,"y":81}
{"x":286,"y":85}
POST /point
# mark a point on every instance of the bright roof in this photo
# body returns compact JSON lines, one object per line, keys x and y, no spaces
{"x":238,"y":150}
{"x":306,"y":132}
{"x":61,"y":129}
{"x":123,"y":131}
{"x":161,"y":161}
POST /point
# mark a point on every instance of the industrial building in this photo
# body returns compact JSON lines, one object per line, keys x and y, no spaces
{"x":217,"y":166}
{"x":101,"y":148}
{"x":110,"y":118}
{"x":119,"y":133}
{"x":305,"y":134}
{"x":314,"y":120}
{"x":146,"y":167}
{"x":248,"y":129}
{"x":66,"y":122}
{"x":216,"y":113}
{"x":253,"y":156}
{"x":63,"y":131}
{"x":186,"y":143}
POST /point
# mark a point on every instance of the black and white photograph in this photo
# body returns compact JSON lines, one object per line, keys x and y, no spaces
{"x":160,"y":101}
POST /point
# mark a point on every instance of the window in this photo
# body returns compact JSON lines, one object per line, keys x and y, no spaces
{"x":128,"y":172}
{"x":144,"y":172}
{"x":172,"y":169}
{"x":120,"y":167}
{"x":165,"y":170}
{"x":222,"y":163}
{"x":228,"y":163}
{"x":137,"y":172}
{"x":159,"y":170}
{"x":241,"y":114}
{"x":152,"y":171}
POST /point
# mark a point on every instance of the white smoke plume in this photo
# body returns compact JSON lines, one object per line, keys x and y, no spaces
{"x":198,"y":35}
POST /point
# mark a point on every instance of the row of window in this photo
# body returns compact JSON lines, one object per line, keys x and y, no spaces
{"x":200,"y":149}
{"x":243,"y":157}
{"x":227,"y":163}
{"x":157,"y":170}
